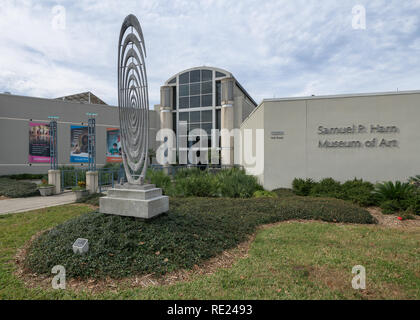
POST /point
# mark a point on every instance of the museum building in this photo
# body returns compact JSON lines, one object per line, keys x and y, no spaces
{"x":374,"y":136}
{"x":205,"y":98}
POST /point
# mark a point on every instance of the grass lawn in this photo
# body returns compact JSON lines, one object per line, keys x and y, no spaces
{"x":290,"y":260}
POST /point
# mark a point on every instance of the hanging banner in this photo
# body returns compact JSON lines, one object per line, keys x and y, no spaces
{"x":79,"y":144}
{"x":39,"y":142}
{"x":113,"y":145}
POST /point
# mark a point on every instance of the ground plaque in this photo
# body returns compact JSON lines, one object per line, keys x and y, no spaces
{"x":81,"y":246}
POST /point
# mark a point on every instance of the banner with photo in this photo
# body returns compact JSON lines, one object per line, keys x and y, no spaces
{"x":79,"y":144}
{"x":113,"y":145}
{"x":39,"y":142}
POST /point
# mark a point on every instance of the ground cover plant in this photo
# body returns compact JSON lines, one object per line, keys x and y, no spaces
{"x":194,"y":230}
{"x":17,"y":189}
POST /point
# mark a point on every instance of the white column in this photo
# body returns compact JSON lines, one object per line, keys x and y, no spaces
{"x":92,"y":181}
{"x":54,"y":178}
{"x":227,"y":116}
{"x":166,"y":114}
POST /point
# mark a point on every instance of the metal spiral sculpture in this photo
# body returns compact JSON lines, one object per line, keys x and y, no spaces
{"x":133,"y":100}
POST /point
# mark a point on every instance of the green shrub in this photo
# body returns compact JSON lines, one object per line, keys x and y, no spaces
{"x":204,"y":184}
{"x":26,"y":176}
{"x":390,"y":206}
{"x":415,"y":180}
{"x":302,"y":187}
{"x":359,"y":192}
{"x":235,"y":183}
{"x":17,"y":189}
{"x":194,"y":182}
{"x":327,"y":187}
{"x":264,"y":194}
{"x":160,"y":179}
{"x":407,"y":216}
{"x":187,"y":172}
{"x":413,"y":203}
{"x":394,"y":191}
{"x":193,"y":231}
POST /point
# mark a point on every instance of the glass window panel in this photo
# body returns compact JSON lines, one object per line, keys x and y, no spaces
{"x":195,"y":76}
{"x":219,"y":74}
{"x":197,"y":142}
{"x":182,"y":141}
{"x":218,"y":93}
{"x":195,"y":102}
{"x":207,"y":127}
{"x":206,"y":116}
{"x":184,"y":116}
{"x":184,"y":90}
{"x":183,"y":127}
{"x":174,"y":121}
{"x":195,"y":116}
{"x":218,"y":119}
{"x":183,"y":102}
{"x":207,"y":87}
{"x":172,"y":80}
{"x":193,"y":126}
{"x":206,"y":75}
{"x":184,"y":78}
{"x":204,"y":143}
{"x":194,"y":89}
{"x":174,"y":97}
{"x":207,"y":100}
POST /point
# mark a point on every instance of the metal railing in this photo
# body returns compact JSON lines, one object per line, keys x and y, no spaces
{"x":171,"y":170}
{"x":107,"y":178}
{"x":71,"y":177}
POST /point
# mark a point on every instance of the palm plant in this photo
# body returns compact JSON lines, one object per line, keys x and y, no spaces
{"x":394,"y":191}
{"x":415,"y":180}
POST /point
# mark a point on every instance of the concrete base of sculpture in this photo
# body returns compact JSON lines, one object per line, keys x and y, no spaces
{"x":144,"y":201}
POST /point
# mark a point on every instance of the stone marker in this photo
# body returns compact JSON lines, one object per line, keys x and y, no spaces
{"x":81,"y":246}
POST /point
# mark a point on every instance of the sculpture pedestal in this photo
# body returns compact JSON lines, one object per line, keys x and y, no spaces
{"x":144,"y":201}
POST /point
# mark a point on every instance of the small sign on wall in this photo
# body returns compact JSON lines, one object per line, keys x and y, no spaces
{"x":277,"y":135}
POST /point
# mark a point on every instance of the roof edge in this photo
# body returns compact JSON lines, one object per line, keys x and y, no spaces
{"x":349,"y":95}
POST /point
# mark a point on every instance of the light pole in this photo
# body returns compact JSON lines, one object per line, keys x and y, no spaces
{"x":92,"y":178}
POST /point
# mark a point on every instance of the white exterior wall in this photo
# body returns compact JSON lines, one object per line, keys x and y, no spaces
{"x":255,"y":121}
{"x":297,"y":153}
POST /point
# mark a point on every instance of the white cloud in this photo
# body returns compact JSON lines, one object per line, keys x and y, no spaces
{"x":275,"y":48}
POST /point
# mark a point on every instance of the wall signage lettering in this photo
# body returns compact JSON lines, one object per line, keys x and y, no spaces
{"x":386,"y":141}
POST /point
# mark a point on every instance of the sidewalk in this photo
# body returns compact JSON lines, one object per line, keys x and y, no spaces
{"x":32,"y":203}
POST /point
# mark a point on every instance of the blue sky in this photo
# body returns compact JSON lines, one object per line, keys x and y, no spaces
{"x":274,"y":48}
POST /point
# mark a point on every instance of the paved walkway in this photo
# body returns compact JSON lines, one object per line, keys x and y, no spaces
{"x":32,"y":203}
